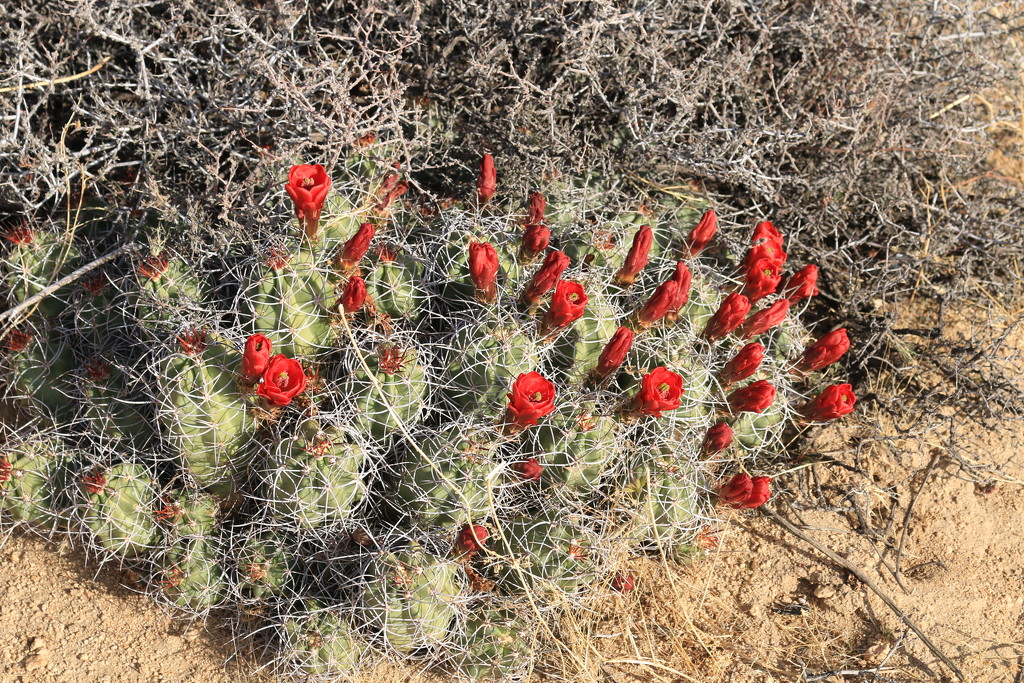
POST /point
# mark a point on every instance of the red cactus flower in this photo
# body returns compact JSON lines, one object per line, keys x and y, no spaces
{"x":255,"y":357}
{"x":283,"y":380}
{"x":529,"y":469}
{"x":824,"y":352}
{"x":743,"y":365}
{"x":567,"y":305}
{"x":471,"y":539}
{"x":545,"y":278}
{"x":353,"y":296}
{"x":660,"y":390}
{"x":762,"y":279}
{"x":483,"y":270}
{"x":767,"y":232}
{"x":728,"y":317}
{"x":487,"y":182}
{"x":833,"y":402}
{"x":193,"y":341}
{"x":614,"y":353}
{"x":532,"y":398}
{"x":636,"y":259}
{"x":623,"y":582}
{"x":803,"y":284}
{"x":742,"y":491}
{"x":308,"y":186}
{"x":718,"y":438}
{"x":16,"y":340}
{"x":355,"y":249}
{"x":753,"y":398}
{"x":661,"y":302}
{"x":153,"y":267}
{"x":762,"y":321}
{"x":537,"y":207}
{"x":536,"y":239}
{"x":395,"y":191}
{"x":702,"y":233}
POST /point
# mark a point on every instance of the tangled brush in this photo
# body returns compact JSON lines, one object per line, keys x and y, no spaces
{"x":420,"y":427}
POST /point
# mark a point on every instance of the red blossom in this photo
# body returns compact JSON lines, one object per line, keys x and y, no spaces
{"x":354,"y":295}
{"x":702,"y":233}
{"x":718,"y":438}
{"x":623,"y":582}
{"x":833,"y":402}
{"x":483,"y":270}
{"x":802,"y":285}
{"x":532,"y":397}
{"x":255,"y":357}
{"x":283,"y":380}
{"x":762,"y":278}
{"x":546,"y":277}
{"x":743,"y":365}
{"x":536,"y":239}
{"x":471,"y":539}
{"x":614,"y":353}
{"x":392,"y":194}
{"x":728,"y":317}
{"x":753,"y":398}
{"x":636,"y":259}
{"x":660,"y":390}
{"x":660,"y":303}
{"x":762,"y":321}
{"x":487,"y":182}
{"x":537,"y":207}
{"x":742,"y":491}
{"x":766,"y":232}
{"x":308,"y":186}
{"x":824,"y":352}
{"x":355,"y":249}
{"x":529,"y":469}
{"x":567,"y":305}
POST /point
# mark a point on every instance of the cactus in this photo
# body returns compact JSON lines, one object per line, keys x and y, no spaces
{"x":392,"y":395}
{"x":34,"y":482}
{"x":493,"y":647}
{"x":193,"y":577}
{"x":322,"y":642}
{"x":120,"y":504}
{"x":265,"y":565}
{"x":35,"y":260}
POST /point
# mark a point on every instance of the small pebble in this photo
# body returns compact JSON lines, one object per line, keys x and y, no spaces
{"x":39,"y":660}
{"x":824,"y":591}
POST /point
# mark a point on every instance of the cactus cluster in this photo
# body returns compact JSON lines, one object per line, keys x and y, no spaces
{"x":415,"y":427}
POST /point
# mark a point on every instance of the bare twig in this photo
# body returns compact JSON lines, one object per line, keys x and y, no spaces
{"x":56,"y":81}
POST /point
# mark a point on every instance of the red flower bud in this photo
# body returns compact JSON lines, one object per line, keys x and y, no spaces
{"x":283,"y":380}
{"x":308,"y":186}
{"x":255,"y":357}
{"x":529,"y":469}
{"x":532,"y":398}
{"x":660,"y":390}
{"x":802,"y":285}
{"x":392,"y":194}
{"x":753,"y":398}
{"x":744,"y":492}
{"x":623,"y":582}
{"x":536,"y":239}
{"x":766,"y":232}
{"x":716,"y":440}
{"x":355,"y":249}
{"x":835,"y":401}
{"x":354,"y":295}
{"x":762,"y":321}
{"x":614,"y":353}
{"x":544,"y":279}
{"x":483,"y":270}
{"x":762,"y":279}
{"x":702,"y":233}
{"x":636,"y":259}
{"x":824,"y":352}
{"x":684,"y":278}
{"x":567,"y":305}
{"x":660,"y":303}
{"x":743,"y":365}
{"x":487,"y":183}
{"x":728,"y":317}
{"x":770,"y":251}
{"x":537,"y":206}
{"x":471,"y":539}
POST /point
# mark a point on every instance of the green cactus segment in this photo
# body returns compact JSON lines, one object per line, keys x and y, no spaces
{"x":339,"y":220}
{"x":313,"y":477}
{"x":289,"y":302}
{"x":579,"y":348}
{"x":34,"y":480}
{"x":393,"y":395}
{"x":35,"y":261}
{"x":192,"y":576}
{"x":111,"y":410}
{"x":545,"y":554}
{"x":752,"y":430}
{"x":43,"y":370}
{"x":189,"y":513}
{"x":264,"y":566}
{"x":323,"y":642}
{"x":120,"y":504}
{"x":168,"y":289}
{"x":484,"y":361}
{"x":575,"y":452}
{"x":410,"y":599}
{"x":662,"y":500}
{"x":494,"y":647}
{"x":452,"y":483}
{"x":204,"y":415}
{"x":395,"y":285}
